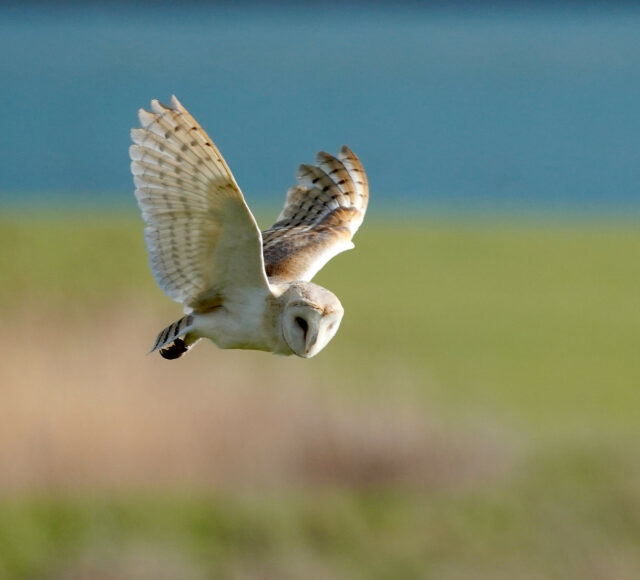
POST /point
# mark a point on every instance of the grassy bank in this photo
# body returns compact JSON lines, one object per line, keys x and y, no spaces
{"x":553,"y":521}
{"x":476,"y":416}
{"x":538,"y":320}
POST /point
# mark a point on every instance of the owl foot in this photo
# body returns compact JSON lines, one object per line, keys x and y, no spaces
{"x":175,"y":350}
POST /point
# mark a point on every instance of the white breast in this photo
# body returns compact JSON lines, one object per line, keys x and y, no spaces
{"x":240,"y":322}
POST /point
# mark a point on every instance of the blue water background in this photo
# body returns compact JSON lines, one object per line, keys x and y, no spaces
{"x":460,"y":105}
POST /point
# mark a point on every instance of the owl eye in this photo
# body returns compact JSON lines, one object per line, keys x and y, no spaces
{"x":302,"y":323}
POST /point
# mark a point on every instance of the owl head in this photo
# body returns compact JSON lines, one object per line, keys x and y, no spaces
{"x":310,"y":317}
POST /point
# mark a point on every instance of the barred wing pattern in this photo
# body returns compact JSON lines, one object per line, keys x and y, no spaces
{"x":320,"y":216}
{"x":201,"y":237}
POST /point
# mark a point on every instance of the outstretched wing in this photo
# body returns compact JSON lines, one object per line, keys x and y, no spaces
{"x":320,"y":216}
{"x":203,"y":242}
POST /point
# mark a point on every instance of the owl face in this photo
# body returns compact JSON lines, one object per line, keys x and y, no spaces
{"x":311,"y":320}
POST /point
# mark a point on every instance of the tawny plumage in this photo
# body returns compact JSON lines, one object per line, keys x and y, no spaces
{"x":239,"y":287}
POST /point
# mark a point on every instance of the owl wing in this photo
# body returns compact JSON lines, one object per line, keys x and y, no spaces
{"x":320,"y":216}
{"x":203,"y":242}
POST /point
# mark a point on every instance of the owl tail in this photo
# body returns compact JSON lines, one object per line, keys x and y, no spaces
{"x":175,"y":336}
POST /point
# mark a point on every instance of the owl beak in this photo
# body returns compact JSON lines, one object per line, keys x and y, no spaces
{"x":310,"y":342}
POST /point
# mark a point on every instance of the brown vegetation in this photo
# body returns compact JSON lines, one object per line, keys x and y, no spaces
{"x":84,"y":407}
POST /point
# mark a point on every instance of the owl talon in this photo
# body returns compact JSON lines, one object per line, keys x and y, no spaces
{"x":175,"y":350}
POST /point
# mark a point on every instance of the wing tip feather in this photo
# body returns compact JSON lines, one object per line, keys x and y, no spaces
{"x":176,"y":104}
{"x":146,"y":118}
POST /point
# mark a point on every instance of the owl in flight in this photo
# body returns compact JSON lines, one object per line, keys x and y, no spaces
{"x":240,"y":288}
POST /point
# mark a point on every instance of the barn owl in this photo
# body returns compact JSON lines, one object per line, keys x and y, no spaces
{"x":240,"y":288}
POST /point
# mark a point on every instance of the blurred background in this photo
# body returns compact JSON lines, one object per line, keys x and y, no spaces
{"x":477,"y":415}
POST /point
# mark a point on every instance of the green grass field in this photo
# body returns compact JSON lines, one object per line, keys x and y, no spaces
{"x":520,"y":336}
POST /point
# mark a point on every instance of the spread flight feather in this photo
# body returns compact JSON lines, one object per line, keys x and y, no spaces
{"x":201,"y":236}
